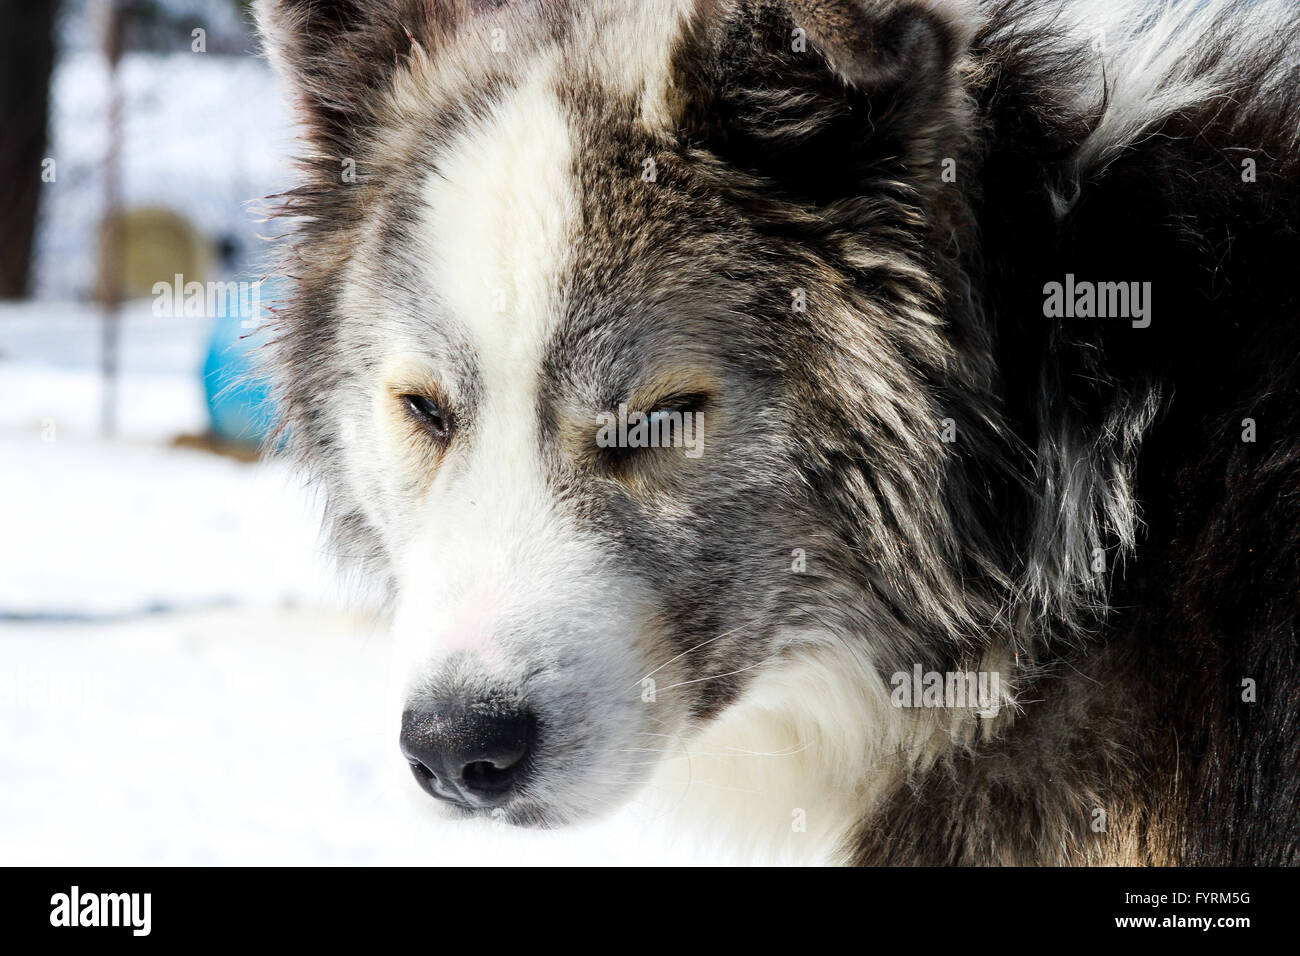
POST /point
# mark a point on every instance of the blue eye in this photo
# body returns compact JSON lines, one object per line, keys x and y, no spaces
{"x":430,"y":416}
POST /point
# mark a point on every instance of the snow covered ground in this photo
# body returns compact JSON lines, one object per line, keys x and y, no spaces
{"x":181,"y":679}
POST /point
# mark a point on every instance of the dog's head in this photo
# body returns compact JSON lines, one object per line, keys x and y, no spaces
{"x":622,"y":344}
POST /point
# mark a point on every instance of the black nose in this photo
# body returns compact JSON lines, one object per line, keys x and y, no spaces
{"x":471,"y":753}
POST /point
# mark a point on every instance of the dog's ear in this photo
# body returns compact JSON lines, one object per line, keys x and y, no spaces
{"x":825,"y":95}
{"x":879,"y":45}
{"x":339,"y":55}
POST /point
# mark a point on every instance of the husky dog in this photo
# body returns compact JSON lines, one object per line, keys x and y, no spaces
{"x":987,"y":315}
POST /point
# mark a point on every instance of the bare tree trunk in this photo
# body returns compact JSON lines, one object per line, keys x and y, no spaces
{"x":26,"y":62}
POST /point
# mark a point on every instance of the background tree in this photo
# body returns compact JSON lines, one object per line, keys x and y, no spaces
{"x":26,"y":61}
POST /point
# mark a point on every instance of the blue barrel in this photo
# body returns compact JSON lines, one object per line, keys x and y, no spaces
{"x":239,"y":397}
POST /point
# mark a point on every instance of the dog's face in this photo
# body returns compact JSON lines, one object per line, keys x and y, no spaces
{"x":548,"y":573}
{"x":552,"y":248}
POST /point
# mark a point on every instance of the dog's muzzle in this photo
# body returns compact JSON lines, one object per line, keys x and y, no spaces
{"x":471,"y":753}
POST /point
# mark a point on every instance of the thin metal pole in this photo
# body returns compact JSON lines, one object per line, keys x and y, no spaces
{"x":112,"y":228}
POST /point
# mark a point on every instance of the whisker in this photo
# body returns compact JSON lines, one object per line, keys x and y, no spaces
{"x":689,"y":650}
{"x":740,"y":670}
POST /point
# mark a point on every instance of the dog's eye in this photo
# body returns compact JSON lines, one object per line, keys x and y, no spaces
{"x":430,"y":416}
{"x":692,"y":404}
{"x":675,"y":422}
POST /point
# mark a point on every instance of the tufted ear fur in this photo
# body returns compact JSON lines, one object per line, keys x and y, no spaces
{"x":875,"y":45}
{"x":828,"y":97}
{"x":339,"y":55}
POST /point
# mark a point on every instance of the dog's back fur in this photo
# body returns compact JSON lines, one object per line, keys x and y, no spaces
{"x":1116,"y":524}
{"x":1131,"y":164}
